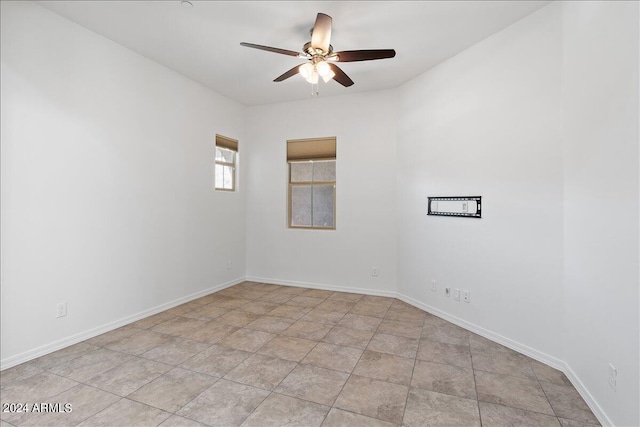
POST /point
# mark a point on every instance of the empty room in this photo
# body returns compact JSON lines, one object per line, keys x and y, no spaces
{"x":320,"y":213}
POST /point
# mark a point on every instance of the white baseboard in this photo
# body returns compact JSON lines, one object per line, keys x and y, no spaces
{"x":507,"y":342}
{"x":376,"y":292}
{"x":74,"y":339}
{"x":540,"y":356}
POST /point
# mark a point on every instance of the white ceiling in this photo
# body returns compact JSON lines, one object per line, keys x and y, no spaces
{"x":203,"y":42}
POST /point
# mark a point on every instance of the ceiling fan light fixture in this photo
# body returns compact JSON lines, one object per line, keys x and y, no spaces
{"x":306,"y":70}
{"x":323,"y":68}
{"x":328,"y":76}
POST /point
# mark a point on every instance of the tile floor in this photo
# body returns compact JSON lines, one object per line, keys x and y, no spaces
{"x":266,"y":355}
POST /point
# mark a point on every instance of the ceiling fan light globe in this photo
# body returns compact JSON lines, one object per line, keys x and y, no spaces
{"x":306,"y":70}
{"x":328,"y":76}
{"x":323,"y":68}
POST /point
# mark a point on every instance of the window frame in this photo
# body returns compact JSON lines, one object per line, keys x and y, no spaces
{"x":226,"y":143}
{"x":311,"y":150}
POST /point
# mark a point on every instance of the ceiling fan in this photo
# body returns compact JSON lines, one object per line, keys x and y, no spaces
{"x":321,"y":57}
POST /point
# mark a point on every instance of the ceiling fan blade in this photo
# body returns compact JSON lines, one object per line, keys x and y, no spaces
{"x":270,"y":49}
{"x":290,"y":73}
{"x":340,"y":76}
{"x":321,"y":35}
{"x":364,"y":55}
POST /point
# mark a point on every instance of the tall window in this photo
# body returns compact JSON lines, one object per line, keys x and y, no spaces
{"x":312,"y":183}
{"x":226,"y":154}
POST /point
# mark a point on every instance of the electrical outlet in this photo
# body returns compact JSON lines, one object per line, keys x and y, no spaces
{"x":374,"y":271}
{"x":434,"y":287}
{"x":62,"y":309}
{"x":613,"y":376}
{"x":229,"y":265}
{"x":447,"y":292}
{"x":467,"y":296}
{"x":456,"y":294}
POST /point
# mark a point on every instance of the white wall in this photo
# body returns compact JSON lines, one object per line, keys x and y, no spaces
{"x":540,"y":119}
{"x":487,"y":123}
{"x":107,"y":199}
{"x":365,"y":234}
{"x":600,"y":102}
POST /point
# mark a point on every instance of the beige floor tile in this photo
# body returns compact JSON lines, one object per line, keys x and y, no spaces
{"x":290,"y":311}
{"x":385,"y":367}
{"x":367,"y":355}
{"x":373,"y":398}
{"x":151,"y":321}
{"x":18,"y":373}
{"x":276,"y":298}
{"x":127,"y":413}
{"x":340,"y":418}
{"x":323,"y":316}
{"x":290,"y":290}
{"x":356,"y":321}
{"x":211,"y":332}
{"x":446,"y":333}
{"x":405,"y":316}
{"x":216,"y":360}
{"x":453,"y":354}
{"x":428,"y":408}
{"x":503,"y":416}
{"x":516,"y":392}
{"x":336,"y":306}
{"x":547,"y":373}
{"x":178,"y":325}
{"x":271,"y":324}
{"x":567,"y":403}
{"x":89,"y":365}
{"x":173,"y":390}
{"x":224,"y":404}
{"x":251,"y":294}
{"x":403,"y":329}
{"x":336,"y":357}
{"x":238,"y":318}
{"x":184,"y":308}
{"x":175,"y":350}
{"x":57,"y":357}
{"x":478,"y":343}
{"x":178,"y":421}
{"x":386,"y":301}
{"x":316,"y":293}
{"x":314,"y":384}
{"x":301,"y":301}
{"x":393,"y":344}
{"x":284,"y":411}
{"x":230,"y":302}
{"x":309,"y":330}
{"x":503,"y":362}
{"x":85,"y":402}
{"x":288,"y":348}
{"x":346,"y":296}
{"x":112,"y":336}
{"x":259,"y":307}
{"x":247,"y":339}
{"x":35,"y":388}
{"x":447,"y":379}
{"x":128,"y":376}
{"x":348,"y":337}
{"x":369,"y":309}
{"x":138,"y":343}
{"x":205,"y":312}
{"x":572,"y":423}
{"x":261,"y":371}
